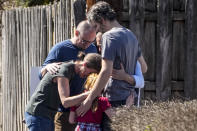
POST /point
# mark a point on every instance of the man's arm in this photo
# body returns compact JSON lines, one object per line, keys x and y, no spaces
{"x":99,"y":85}
{"x":51,"y":63}
{"x":51,"y":68}
{"x":122,"y":75}
{"x":136,"y":80}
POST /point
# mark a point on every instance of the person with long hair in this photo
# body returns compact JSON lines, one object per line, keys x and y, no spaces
{"x":67,"y":50}
{"x":92,"y":119}
{"x":54,"y":89}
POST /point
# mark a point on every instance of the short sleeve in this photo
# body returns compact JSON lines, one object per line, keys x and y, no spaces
{"x":108,"y":47}
{"x":104,"y":103}
{"x":66,"y":70}
{"x":139,"y":53}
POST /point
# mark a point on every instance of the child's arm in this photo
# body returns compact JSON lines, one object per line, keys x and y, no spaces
{"x":109,"y":112}
{"x":72,"y":117}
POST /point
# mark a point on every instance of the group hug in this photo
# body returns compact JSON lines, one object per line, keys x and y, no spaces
{"x":83,"y":79}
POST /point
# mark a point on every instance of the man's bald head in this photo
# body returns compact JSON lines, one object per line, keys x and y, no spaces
{"x":85,"y":34}
{"x":85,"y":27}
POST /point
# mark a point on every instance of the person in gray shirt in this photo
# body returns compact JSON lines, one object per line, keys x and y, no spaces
{"x":119,"y":45}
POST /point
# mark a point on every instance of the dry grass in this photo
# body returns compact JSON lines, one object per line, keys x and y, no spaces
{"x":163,"y":116}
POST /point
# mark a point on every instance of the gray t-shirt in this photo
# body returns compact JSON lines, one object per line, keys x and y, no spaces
{"x":45,"y":100}
{"x":120,"y":46}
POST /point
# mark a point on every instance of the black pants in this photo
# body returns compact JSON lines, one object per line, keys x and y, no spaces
{"x":106,"y":122}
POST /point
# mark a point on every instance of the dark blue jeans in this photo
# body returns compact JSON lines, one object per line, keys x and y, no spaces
{"x":38,"y":123}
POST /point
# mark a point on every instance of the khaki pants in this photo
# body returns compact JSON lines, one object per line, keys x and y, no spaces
{"x":61,"y":122}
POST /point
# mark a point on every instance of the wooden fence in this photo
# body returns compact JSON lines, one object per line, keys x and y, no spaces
{"x":166,"y":29}
{"x":28,"y":35}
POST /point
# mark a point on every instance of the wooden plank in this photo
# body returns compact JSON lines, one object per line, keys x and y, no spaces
{"x":18,"y":69}
{"x":178,"y":50}
{"x":89,"y":4}
{"x":179,"y":5}
{"x":43,"y":42}
{"x":149,"y":49}
{"x":191,"y":49}
{"x":5,"y":62}
{"x":149,"y":86}
{"x":137,"y":26}
{"x":23,"y":96}
{"x":72,"y":19}
{"x":55,"y":23}
{"x":151,"y":5}
{"x":2,"y":78}
{"x":150,"y":16}
{"x":49,"y":29}
{"x":68,"y":20}
{"x":125,"y":4}
{"x":178,"y":16}
{"x":177,"y":85}
{"x":12,"y":72}
{"x":117,"y":5}
{"x":142,"y":93}
{"x":124,"y":16}
{"x":163,"y":72}
{"x":79,"y":11}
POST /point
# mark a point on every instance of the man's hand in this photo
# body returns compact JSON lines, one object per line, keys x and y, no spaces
{"x":51,"y":68}
{"x":84,"y":107}
{"x":119,"y":74}
{"x":130,"y":100}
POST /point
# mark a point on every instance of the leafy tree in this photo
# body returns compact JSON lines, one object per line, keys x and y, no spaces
{"x":34,"y":2}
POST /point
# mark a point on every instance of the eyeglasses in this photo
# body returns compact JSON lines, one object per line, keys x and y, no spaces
{"x":85,"y":41}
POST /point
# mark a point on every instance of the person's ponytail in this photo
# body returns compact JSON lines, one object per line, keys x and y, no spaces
{"x":81,"y":55}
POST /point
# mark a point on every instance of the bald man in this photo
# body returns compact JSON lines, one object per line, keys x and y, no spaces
{"x":65,"y":51}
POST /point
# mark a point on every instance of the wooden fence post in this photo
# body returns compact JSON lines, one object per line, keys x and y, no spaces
{"x":163,"y":49}
{"x":190,"y":88}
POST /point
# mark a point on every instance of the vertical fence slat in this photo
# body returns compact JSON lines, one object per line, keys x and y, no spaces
{"x":136,"y":21}
{"x":163,"y":69}
{"x":191,"y":50}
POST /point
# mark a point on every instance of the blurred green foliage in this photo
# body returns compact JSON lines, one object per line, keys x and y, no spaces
{"x":34,"y":2}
